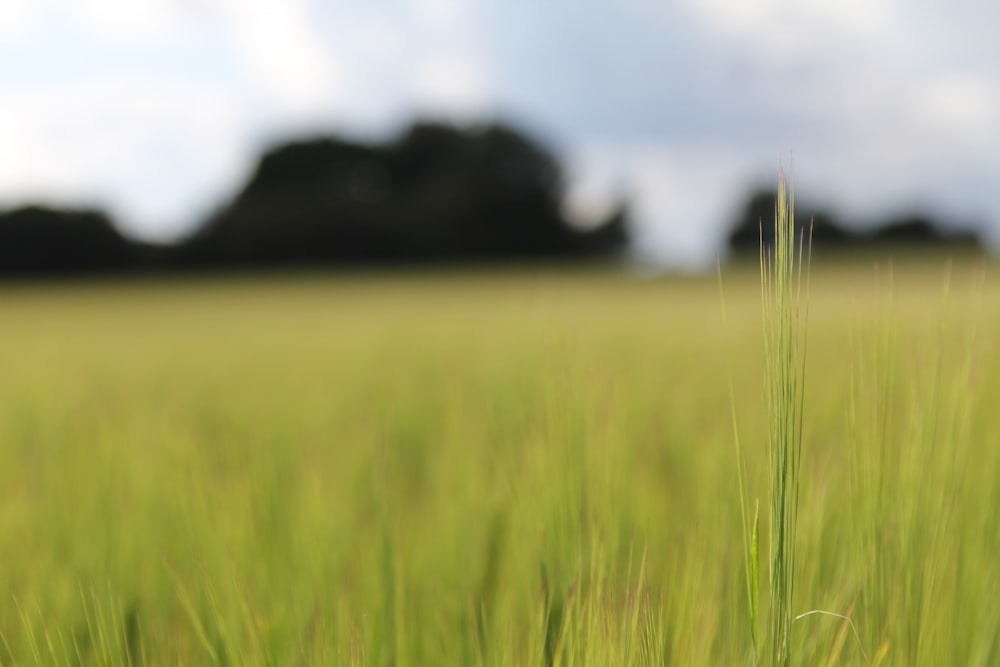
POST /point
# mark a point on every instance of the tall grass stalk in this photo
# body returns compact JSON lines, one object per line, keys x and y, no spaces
{"x":785,"y":314}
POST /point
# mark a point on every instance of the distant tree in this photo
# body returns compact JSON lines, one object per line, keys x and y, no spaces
{"x":41,"y":241}
{"x":919,"y":230}
{"x":305,"y":203}
{"x":757,"y":223}
{"x":436,"y":193}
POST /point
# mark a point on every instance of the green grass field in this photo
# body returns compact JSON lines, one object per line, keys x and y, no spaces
{"x":498,"y":468}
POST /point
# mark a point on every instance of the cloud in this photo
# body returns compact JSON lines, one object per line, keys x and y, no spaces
{"x":291,"y":67}
{"x":16,"y":19}
{"x":127,"y":144}
{"x":882,"y":109}
{"x":453,"y":84}
{"x":121,"y":21}
{"x":158,"y":145}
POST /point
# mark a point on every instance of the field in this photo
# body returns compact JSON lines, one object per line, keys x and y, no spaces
{"x":524,"y":467}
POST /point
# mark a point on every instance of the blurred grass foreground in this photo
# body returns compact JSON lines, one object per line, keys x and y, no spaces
{"x":517,"y":468}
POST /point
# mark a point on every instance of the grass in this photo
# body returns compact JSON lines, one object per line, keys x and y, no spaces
{"x":781,"y":270}
{"x":532,"y":468}
{"x":784,"y":354}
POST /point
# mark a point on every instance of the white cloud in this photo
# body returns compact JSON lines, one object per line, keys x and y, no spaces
{"x":16,"y":18}
{"x":291,"y":66}
{"x":288,"y":62}
{"x":446,"y":16}
{"x":376,"y":39}
{"x":968,"y":103}
{"x":128,"y":144}
{"x":785,"y":27}
{"x":133,"y":22}
{"x":159,"y":148}
{"x":453,"y":84}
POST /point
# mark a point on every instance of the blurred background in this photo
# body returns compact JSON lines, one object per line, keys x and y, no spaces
{"x":310,"y":444}
{"x":166,"y":135}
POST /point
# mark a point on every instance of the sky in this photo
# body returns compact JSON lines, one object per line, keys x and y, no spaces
{"x":158,"y":109}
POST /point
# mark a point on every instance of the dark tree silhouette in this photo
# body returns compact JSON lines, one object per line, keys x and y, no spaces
{"x":918,"y":230}
{"x":436,"y":193}
{"x":36,"y":241}
{"x":757,"y":224}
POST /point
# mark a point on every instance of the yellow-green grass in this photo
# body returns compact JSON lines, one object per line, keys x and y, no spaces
{"x":515,"y":468}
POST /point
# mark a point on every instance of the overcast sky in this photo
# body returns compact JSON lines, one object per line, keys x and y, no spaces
{"x":157,"y":109}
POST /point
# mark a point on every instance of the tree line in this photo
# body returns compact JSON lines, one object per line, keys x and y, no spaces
{"x":436,"y":193}
{"x":831,"y":234}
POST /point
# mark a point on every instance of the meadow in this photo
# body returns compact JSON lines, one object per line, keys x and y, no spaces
{"x":528,"y":467}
